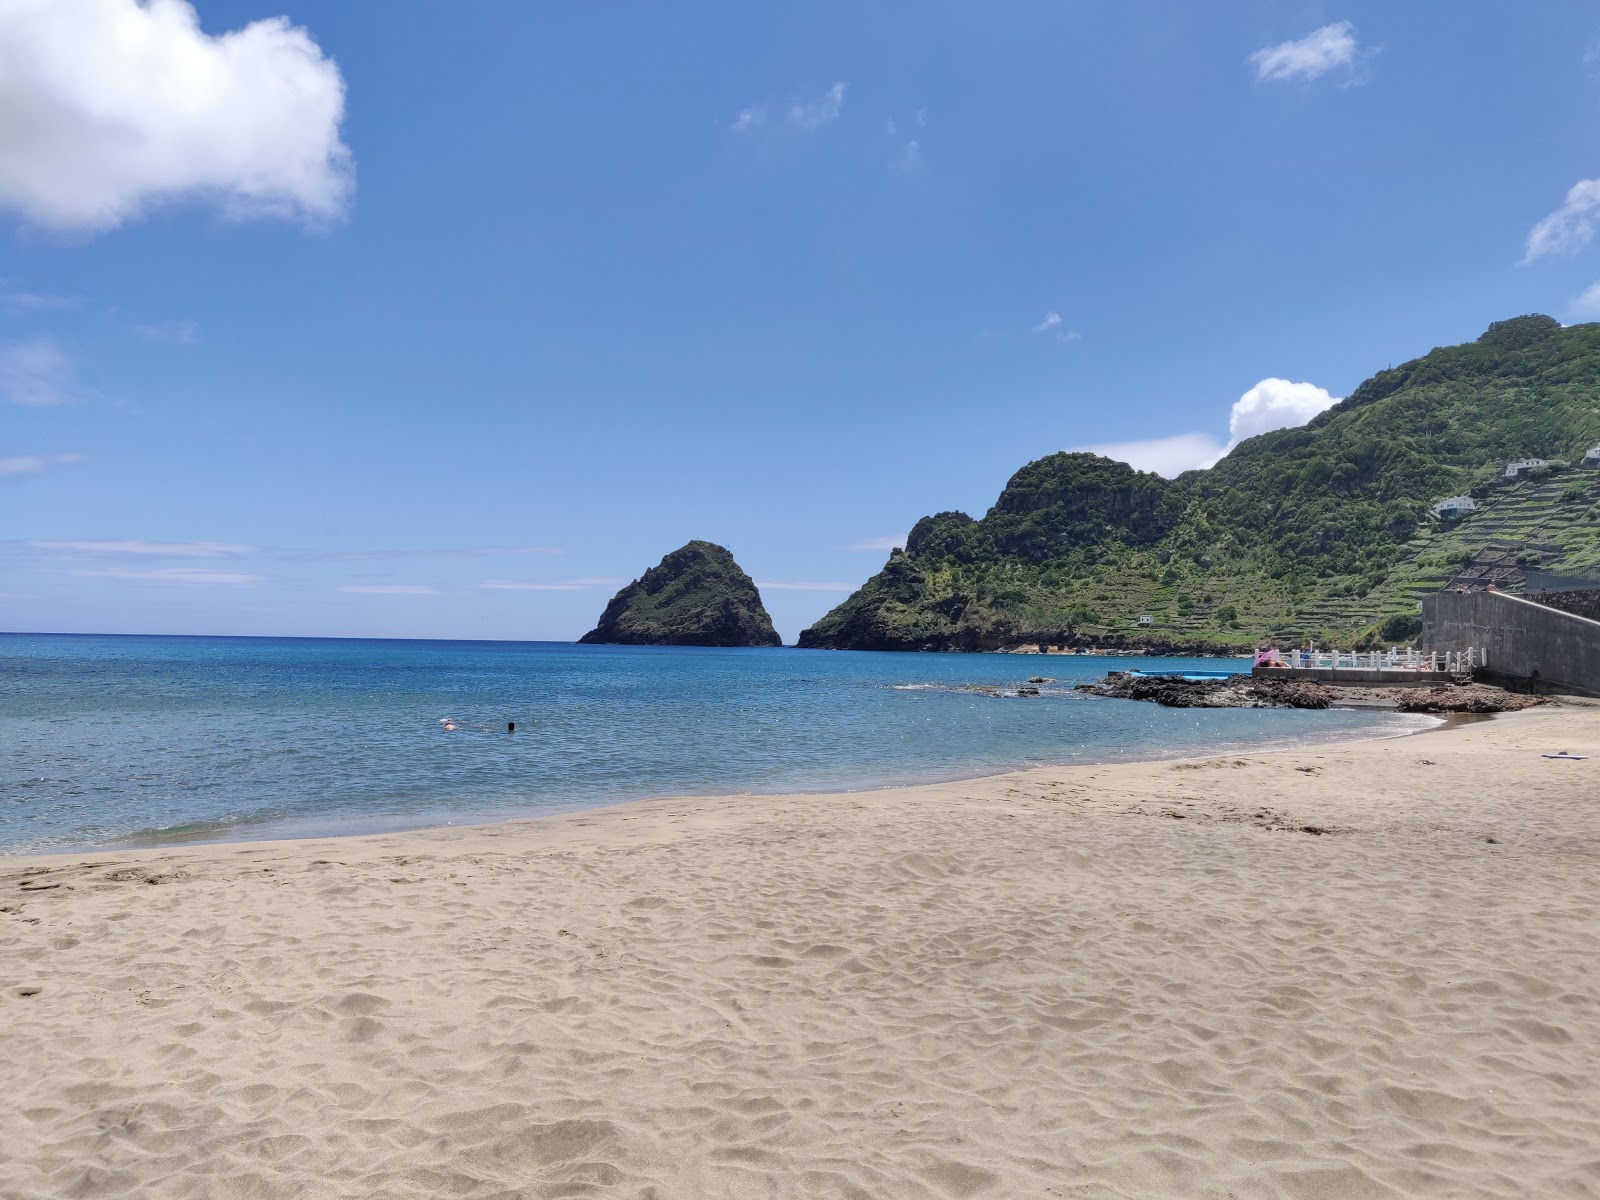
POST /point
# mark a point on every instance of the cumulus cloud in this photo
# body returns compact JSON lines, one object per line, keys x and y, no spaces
{"x":116,"y":547}
{"x":110,"y":106}
{"x":1322,"y":50}
{"x":892,"y":542}
{"x":1271,"y":404}
{"x":188,"y":575}
{"x":748,"y":119}
{"x":817,"y":113}
{"x":1275,"y":404}
{"x":34,"y":373}
{"x":26,"y":466}
{"x":1571,"y":227}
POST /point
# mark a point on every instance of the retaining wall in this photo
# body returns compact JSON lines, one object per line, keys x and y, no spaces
{"x":1585,"y":603}
{"x":1528,"y":646}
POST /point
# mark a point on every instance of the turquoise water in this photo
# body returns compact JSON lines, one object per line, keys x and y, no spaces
{"x":133,"y":740}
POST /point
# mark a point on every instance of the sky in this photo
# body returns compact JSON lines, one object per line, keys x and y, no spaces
{"x":446,"y":321}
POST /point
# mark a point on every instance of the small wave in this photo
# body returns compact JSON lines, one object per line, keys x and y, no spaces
{"x":918,"y":687}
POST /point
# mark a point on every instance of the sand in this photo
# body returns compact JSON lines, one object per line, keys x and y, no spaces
{"x":1342,"y":972}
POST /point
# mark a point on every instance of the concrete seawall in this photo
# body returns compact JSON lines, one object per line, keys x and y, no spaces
{"x":1527,"y":645}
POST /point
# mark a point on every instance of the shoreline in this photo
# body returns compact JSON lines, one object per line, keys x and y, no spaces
{"x":1361,"y":969}
{"x":155,"y":842}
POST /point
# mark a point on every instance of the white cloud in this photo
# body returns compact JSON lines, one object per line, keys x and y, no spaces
{"x":110,"y":106}
{"x":894,"y":541}
{"x":426,"y":552}
{"x":34,"y":373}
{"x":769,"y":586}
{"x":1571,"y":227}
{"x":1056,"y":328}
{"x":910,"y":155}
{"x":390,"y":589}
{"x":1311,"y":57}
{"x":1169,"y":456}
{"x":1275,"y":404}
{"x":194,"y":575}
{"x":560,"y":585}
{"x":816,"y":114}
{"x":148,"y":549}
{"x":181,"y":333}
{"x":21,"y":302}
{"x":25,"y":466}
{"x":1271,"y":404}
{"x":1588,"y":304}
{"x":749,"y":118}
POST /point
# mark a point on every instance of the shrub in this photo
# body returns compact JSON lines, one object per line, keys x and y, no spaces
{"x":1402,"y":627}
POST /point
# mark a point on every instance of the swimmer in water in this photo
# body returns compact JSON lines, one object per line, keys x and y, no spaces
{"x":511,"y":726}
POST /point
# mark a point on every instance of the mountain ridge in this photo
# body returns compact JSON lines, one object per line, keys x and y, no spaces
{"x":1321,"y":530}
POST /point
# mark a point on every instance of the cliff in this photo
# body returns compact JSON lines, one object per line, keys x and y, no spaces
{"x":695,"y":596}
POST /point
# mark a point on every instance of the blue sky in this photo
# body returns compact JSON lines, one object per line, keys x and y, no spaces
{"x":445,"y":321}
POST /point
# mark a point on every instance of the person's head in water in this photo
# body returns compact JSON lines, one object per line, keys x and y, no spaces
{"x":511,"y":726}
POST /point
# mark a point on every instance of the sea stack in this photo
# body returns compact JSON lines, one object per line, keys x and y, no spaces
{"x":695,"y":596}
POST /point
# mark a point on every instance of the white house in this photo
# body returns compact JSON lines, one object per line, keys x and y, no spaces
{"x":1146,"y":619}
{"x":1454,"y":506}
{"x":1592,"y":458}
{"x":1524,"y":464}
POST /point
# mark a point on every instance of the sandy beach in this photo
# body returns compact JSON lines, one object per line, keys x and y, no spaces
{"x":1367,"y":970}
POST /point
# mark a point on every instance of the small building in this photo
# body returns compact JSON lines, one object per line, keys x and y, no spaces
{"x":1454,"y":506}
{"x":1146,"y":619}
{"x":1524,"y":464}
{"x":1592,"y":458}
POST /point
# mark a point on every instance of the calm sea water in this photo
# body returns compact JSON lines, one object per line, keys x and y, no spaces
{"x":134,"y":740}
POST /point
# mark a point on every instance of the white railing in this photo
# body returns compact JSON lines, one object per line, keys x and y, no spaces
{"x":1456,"y":662}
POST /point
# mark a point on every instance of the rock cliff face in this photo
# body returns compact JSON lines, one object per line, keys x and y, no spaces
{"x":695,"y":596}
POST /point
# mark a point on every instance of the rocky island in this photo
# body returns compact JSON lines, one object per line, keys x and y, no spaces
{"x":695,"y":596}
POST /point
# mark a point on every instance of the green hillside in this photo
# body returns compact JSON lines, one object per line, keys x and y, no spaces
{"x":1325,"y":530}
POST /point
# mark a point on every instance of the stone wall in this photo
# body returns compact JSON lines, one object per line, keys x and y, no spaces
{"x":1528,"y":646}
{"x":1581,"y":603}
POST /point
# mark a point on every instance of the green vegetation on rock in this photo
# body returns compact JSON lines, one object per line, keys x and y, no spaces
{"x":1322,"y":531}
{"x":695,"y":596}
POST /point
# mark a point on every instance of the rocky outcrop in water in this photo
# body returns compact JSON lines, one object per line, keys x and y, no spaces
{"x":1236,"y":691}
{"x":1246,"y":691}
{"x":695,"y":596}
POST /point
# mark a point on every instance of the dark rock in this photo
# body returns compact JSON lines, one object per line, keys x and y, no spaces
{"x":696,"y":596}
{"x":1236,"y":691}
{"x":1472,"y":698}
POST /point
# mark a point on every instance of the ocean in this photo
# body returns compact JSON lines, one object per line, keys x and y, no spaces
{"x":116,"y":741}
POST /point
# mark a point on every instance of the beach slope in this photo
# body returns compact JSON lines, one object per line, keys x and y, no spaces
{"x":1356,"y":971}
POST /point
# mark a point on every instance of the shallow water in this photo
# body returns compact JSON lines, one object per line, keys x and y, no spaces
{"x":109,"y":740}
